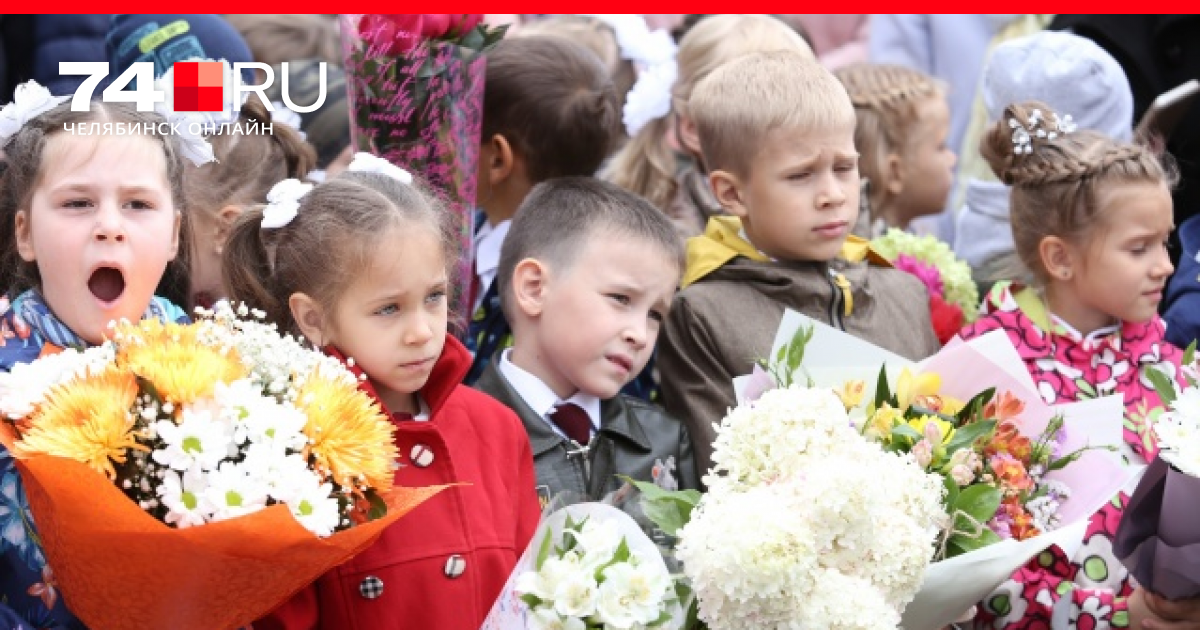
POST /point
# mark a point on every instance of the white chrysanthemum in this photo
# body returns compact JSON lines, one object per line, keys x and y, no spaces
{"x":1178,"y":432}
{"x":233,"y":492}
{"x":285,"y":475}
{"x":199,"y":440}
{"x":314,"y":506}
{"x":185,"y":500}
{"x":26,"y":385}
{"x":261,"y":419}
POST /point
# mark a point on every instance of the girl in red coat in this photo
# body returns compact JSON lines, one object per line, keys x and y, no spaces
{"x":359,"y":266}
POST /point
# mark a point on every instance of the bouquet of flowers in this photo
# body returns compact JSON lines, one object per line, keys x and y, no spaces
{"x":589,"y":566}
{"x":815,"y":556}
{"x":415,"y":89}
{"x":1158,"y":540}
{"x":953,"y":296}
{"x":200,"y":473}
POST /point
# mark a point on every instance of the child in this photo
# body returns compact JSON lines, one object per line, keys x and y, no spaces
{"x":598,"y":36}
{"x":648,"y":165}
{"x":247,"y":166}
{"x":586,"y":277}
{"x":1090,"y":219}
{"x":549,"y":110}
{"x":91,"y":224}
{"x":901,"y":132}
{"x":360,"y":266}
{"x":777,"y":131}
{"x":1067,"y":72}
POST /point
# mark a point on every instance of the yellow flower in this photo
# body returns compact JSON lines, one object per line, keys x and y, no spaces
{"x":181,"y":367}
{"x":927,"y":425}
{"x":350,"y":438}
{"x":851,"y":394}
{"x":882,"y":422}
{"x":88,"y":420}
{"x":910,"y":386}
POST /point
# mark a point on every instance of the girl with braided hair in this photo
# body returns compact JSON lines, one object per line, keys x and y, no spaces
{"x":903,"y":121}
{"x":1090,"y":218}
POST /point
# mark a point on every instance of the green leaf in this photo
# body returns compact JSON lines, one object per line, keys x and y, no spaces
{"x":961,"y":543}
{"x":669,"y":510}
{"x":903,"y":431}
{"x":544,"y":550}
{"x":531,"y":600}
{"x":974,"y":407}
{"x":1162,"y":384}
{"x":1189,"y":355}
{"x":952,"y":490}
{"x":966,"y":435}
{"x":378,"y":507}
{"x":979,"y":501}
{"x":882,"y":391}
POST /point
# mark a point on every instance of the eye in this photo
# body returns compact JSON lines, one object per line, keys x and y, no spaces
{"x":435,"y":297}
{"x":390,"y":309}
{"x":844,"y":168}
{"x":619,"y":298}
{"x":138,"y":204}
{"x":799,"y":177}
{"x":77,"y":203}
{"x":656,"y":316}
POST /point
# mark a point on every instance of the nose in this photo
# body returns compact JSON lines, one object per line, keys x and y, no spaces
{"x":1163,"y":267}
{"x":831,"y":194}
{"x":110,"y":224}
{"x":637,"y":332}
{"x":419,"y":330}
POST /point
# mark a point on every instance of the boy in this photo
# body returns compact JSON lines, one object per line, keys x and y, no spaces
{"x":586,"y":278}
{"x":549,"y":110}
{"x":777,"y":132}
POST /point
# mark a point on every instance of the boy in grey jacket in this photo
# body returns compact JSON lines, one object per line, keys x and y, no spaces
{"x":586,"y":277}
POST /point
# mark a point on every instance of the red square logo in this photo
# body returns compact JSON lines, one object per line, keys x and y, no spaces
{"x":199,"y":86}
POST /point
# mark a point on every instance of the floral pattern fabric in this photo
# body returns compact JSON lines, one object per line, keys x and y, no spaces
{"x":1087,"y":591}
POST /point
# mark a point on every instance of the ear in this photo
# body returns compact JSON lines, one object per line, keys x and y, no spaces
{"x":728,"y":191}
{"x":1058,"y":257}
{"x":689,"y":135}
{"x":530,"y":281}
{"x":309,"y":317}
{"x":894,"y":172}
{"x":178,"y":225}
{"x":499,"y":155}
{"x":24,"y":236}
{"x":225,"y":218}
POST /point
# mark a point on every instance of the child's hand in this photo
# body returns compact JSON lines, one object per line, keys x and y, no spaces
{"x":967,"y":616}
{"x":1148,"y":611}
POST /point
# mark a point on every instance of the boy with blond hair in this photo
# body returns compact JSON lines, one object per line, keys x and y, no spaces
{"x":777,"y":133}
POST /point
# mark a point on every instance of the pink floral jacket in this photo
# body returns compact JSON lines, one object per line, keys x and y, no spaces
{"x":1087,"y":591}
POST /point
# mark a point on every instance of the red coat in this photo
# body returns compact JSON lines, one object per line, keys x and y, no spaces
{"x":443,"y":564}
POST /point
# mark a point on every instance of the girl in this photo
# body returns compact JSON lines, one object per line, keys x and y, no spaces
{"x":676,"y":182}
{"x":91,"y":224}
{"x":246,"y":168}
{"x":901,"y":132}
{"x":360,"y":267}
{"x":1090,"y":218}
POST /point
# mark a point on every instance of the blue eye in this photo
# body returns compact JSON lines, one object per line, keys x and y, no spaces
{"x":390,"y":309}
{"x":435,"y":297}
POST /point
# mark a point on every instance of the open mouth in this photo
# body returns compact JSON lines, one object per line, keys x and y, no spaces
{"x":107,"y":284}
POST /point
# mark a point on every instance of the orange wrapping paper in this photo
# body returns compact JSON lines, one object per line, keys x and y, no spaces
{"x":118,"y":567}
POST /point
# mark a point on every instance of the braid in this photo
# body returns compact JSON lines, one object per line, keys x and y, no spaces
{"x":888,"y":89}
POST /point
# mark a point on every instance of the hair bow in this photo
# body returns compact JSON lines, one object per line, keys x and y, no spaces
{"x":283,"y":203}
{"x":367,"y":163}
{"x":30,"y":100}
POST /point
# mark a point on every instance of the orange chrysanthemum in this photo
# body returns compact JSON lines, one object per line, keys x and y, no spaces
{"x":86,"y":419}
{"x":172,"y":358}
{"x":350,"y":437}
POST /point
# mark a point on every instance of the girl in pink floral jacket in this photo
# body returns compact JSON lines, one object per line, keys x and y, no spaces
{"x":1090,"y":219}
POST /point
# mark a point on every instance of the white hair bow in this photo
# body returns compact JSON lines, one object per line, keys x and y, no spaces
{"x":367,"y":163}
{"x":653,"y":55}
{"x":30,"y":100}
{"x":283,"y":203}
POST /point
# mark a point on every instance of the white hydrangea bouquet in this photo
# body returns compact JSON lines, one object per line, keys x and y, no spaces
{"x":265,"y":449}
{"x":589,"y":567}
{"x":1159,"y":538}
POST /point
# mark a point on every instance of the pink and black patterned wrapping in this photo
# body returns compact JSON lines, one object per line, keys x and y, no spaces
{"x":418,"y":103}
{"x":1159,"y":536}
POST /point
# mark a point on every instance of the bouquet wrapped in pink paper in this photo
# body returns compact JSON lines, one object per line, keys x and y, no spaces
{"x":415,"y":89}
{"x":1159,"y":537}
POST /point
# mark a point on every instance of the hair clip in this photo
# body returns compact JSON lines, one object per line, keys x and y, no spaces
{"x":1039,"y":127}
{"x":30,"y":100}
{"x":367,"y":163}
{"x":283,"y":203}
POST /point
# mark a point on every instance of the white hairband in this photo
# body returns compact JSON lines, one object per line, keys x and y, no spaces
{"x":30,"y":100}
{"x":1023,"y":134}
{"x":283,"y":201}
{"x":653,"y":56}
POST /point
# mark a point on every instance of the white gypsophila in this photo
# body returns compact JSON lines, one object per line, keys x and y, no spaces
{"x":199,"y":440}
{"x":314,"y":506}
{"x":633,"y":594}
{"x":774,"y":436}
{"x":823,"y":501}
{"x":543,"y":618}
{"x":1178,"y":432}
{"x":184,"y":497}
{"x":233,"y":492}
{"x":26,"y":385}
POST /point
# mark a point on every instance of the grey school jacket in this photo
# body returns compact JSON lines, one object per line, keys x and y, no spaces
{"x":636,"y":439}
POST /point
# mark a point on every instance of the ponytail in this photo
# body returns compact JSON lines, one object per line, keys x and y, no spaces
{"x":246,"y":270}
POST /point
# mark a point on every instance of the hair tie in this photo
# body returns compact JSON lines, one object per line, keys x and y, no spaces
{"x":653,"y":56}
{"x":283,"y":203}
{"x":1023,"y":134}
{"x":367,"y":163}
{"x":30,"y":100}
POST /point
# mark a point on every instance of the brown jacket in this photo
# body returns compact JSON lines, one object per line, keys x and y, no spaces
{"x":721,"y":324}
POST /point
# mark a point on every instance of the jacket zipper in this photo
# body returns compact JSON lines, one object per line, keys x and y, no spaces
{"x":835,"y":307}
